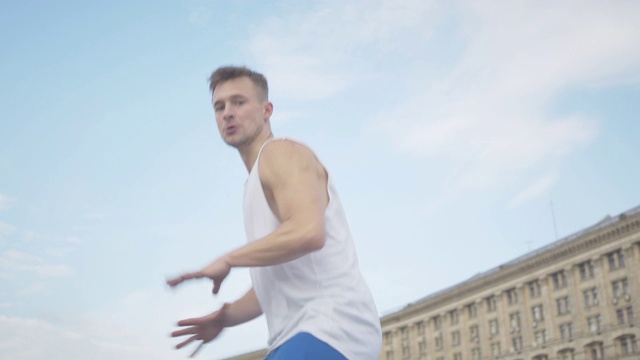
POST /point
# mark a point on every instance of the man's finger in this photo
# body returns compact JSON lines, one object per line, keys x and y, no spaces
{"x":187,"y":276}
{"x":186,"y":342}
{"x":216,"y":286}
{"x":192,"y":322}
{"x":187,"y":331}
{"x":197,"y":349}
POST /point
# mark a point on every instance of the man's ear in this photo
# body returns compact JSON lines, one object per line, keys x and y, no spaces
{"x":267,"y":110}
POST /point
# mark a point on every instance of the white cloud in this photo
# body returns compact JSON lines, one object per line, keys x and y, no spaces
{"x":14,"y":261}
{"x":73,"y":240}
{"x":6,"y":229}
{"x":38,"y":287}
{"x":536,"y":189}
{"x":21,"y":256}
{"x":61,"y":252}
{"x":5,"y":202}
{"x":25,"y":338}
{"x":490,"y":114}
{"x":305,"y":52}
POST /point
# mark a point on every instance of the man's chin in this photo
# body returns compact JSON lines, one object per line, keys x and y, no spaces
{"x":235,"y":143}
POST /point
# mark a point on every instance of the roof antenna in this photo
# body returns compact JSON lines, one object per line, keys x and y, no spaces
{"x":553,"y":215}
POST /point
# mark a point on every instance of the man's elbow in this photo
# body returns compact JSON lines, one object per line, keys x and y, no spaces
{"x":315,"y":239}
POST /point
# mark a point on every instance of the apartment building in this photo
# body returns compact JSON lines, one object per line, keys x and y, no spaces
{"x":575,"y":299}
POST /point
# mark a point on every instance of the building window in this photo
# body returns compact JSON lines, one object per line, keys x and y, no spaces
{"x":491,"y":304}
{"x":540,"y":357}
{"x":406,"y":352}
{"x":475,"y":354}
{"x":390,"y":355}
{"x":566,"y":354}
{"x":422,"y":349}
{"x":454,"y":318}
{"x":495,"y":349}
{"x":457,"y":356}
{"x":534,"y":289}
{"x":595,"y":323}
{"x":537,"y":313}
{"x":616,"y":260}
{"x":388,"y":338}
{"x":587,"y":270}
{"x":406,"y":349}
{"x":620,"y":288}
{"x":627,"y":345}
{"x":516,"y":343}
{"x":514,"y":322}
{"x":474,"y":333}
{"x":421,"y":329}
{"x":559,"y":280}
{"x":472,"y":311}
{"x":455,"y":338}
{"x":594,"y":351}
{"x":590,"y":297}
{"x":541,"y":337}
{"x":437,"y":323}
{"x":566,"y":331}
{"x":564,"y":306}
{"x":493,"y":327}
{"x":438,"y":342}
{"x":512,"y":296}
{"x":625,"y":316}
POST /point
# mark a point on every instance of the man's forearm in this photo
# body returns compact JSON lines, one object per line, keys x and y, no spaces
{"x":287,"y":243}
{"x":242,"y":310}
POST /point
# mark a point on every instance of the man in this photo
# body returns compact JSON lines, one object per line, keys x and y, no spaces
{"x":302,"y":260}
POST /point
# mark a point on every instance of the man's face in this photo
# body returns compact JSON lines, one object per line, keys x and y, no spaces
{"x":241,"y":115}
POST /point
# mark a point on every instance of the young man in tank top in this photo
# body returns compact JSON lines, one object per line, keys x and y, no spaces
{"x":303,"y":264}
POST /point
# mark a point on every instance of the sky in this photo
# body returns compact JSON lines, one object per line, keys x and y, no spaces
{"x":461,"y":135}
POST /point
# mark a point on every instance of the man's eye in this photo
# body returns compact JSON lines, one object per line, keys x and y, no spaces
{"x":218,"y":108}
{"x":238,"y":102}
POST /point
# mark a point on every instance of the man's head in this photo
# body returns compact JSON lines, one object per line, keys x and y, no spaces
{"x":241,"y":105}
{"x":227,"y":73}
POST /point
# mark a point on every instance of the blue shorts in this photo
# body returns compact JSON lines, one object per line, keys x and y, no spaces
{"x":304,"y":346}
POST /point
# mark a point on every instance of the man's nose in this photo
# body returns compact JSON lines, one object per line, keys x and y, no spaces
{"x":228,"y":113}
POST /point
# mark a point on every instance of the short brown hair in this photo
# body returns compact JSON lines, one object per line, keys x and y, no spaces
{"x":226,"y":73}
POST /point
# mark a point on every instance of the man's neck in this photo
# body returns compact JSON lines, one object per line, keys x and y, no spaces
{"x":249,"y":154}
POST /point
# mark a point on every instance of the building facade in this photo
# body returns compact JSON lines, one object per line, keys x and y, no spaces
{"x":575,"y":299}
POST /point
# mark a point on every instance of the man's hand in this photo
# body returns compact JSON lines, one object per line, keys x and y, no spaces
{"x":205,"y":328}
{"x":217,"y":271}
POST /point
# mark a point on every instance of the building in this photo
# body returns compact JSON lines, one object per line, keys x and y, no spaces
{"x":574,"y":299}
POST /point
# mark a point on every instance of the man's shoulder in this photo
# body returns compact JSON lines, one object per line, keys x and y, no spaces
{"x":284,"y":148}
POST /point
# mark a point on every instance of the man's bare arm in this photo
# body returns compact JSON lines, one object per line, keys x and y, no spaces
{"x":242,"y":310}
{"x":290,"y":176}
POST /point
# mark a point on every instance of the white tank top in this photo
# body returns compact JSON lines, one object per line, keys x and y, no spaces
{"x":322,"y":293}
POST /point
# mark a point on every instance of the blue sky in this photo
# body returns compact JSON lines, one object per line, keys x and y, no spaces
{"x":449,"y":128}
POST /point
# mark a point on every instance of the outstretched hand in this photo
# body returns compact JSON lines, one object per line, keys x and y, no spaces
{"x":216,"y":271}
{"x":205,"y":329}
